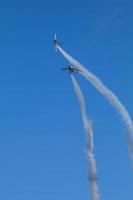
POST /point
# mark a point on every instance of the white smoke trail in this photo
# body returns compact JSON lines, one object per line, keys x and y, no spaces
{"x":89,"y":150}
{"x":109,"y":95}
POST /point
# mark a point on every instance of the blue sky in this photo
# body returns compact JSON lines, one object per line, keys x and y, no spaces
{"x":41,"y":135}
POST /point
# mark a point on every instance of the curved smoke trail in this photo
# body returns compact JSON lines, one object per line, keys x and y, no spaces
{"x":109,"y":95}
{"x":89,"y":149}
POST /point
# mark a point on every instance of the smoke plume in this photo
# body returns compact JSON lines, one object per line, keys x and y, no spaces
{"x":89,"y":149}
{"x":109,"y":95}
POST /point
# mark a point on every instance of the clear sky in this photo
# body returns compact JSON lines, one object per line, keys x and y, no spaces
{"x":42,"y":140}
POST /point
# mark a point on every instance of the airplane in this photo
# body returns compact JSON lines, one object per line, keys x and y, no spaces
{"x":70,"y":69}
{"x":56,"y":42}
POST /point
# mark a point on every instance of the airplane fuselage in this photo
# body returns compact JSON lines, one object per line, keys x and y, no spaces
{"x":70,"y":69}
{"x":56,"y":42}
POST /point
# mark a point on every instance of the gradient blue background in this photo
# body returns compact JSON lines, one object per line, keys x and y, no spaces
{"x":42,"y":140}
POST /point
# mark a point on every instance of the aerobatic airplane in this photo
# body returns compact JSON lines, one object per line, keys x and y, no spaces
{"x":56,"y":42}
{"x":70,"y":69}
